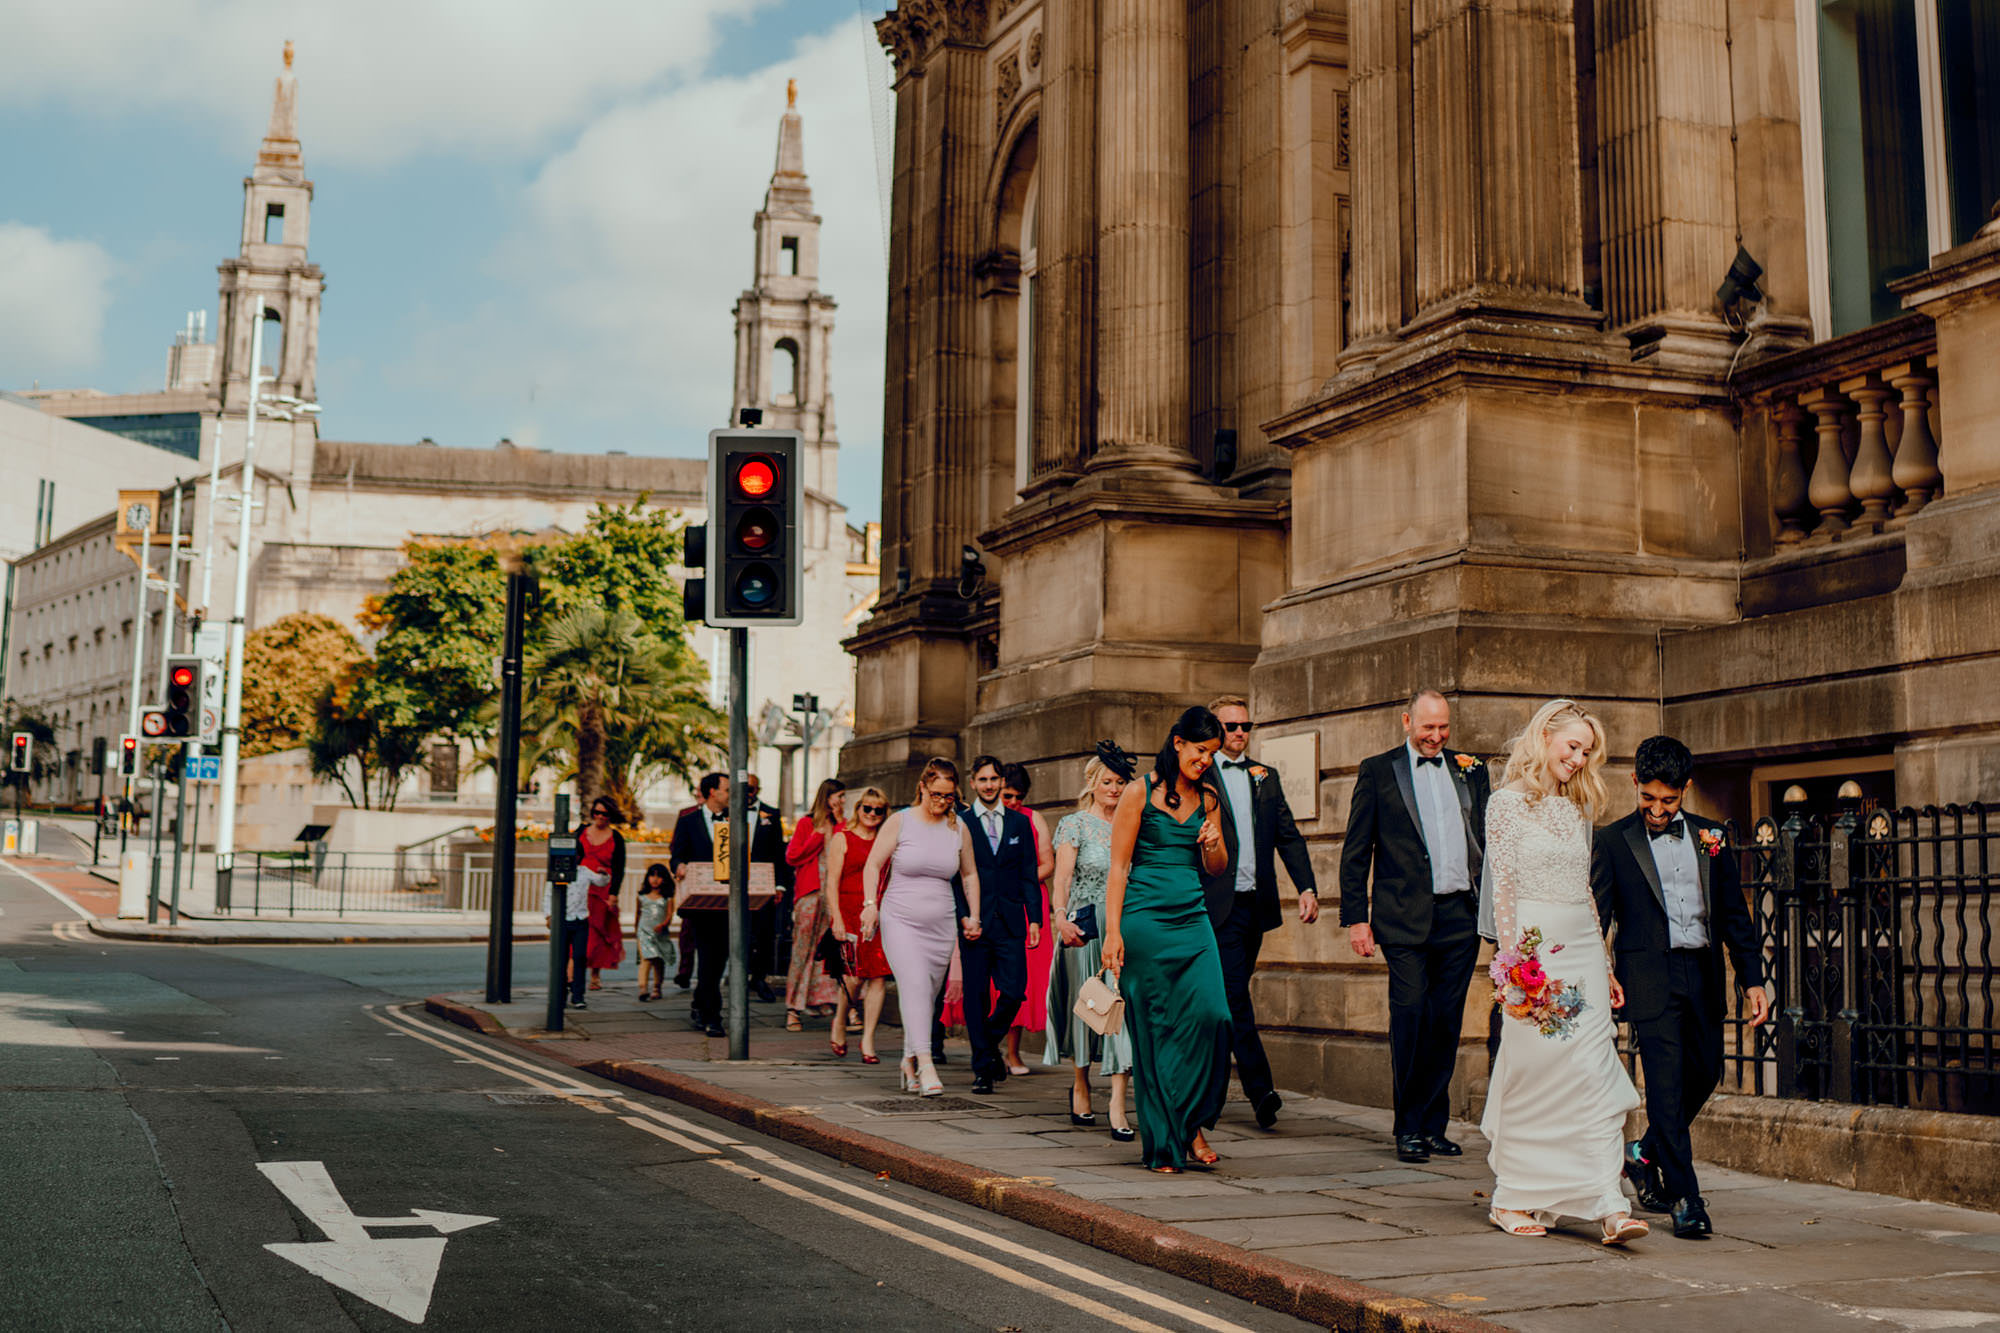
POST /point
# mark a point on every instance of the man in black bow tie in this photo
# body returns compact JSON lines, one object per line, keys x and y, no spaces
{"x":1258,"y":830}
{"x":1663,"y":878}
{"x":1417,"y":827}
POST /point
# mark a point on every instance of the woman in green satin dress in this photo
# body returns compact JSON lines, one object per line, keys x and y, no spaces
{"x":1158,"y":939}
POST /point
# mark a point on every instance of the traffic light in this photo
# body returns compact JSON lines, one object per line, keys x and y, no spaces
{"x":183,"y":696}
{"x":694,"y":555}
{"x":24,"y":752}
{"x":97,"y":749}
{"x":756,"y":569}
{"x":128,"y":755}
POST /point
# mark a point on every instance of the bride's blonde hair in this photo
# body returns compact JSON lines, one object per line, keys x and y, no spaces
{"x":1528,"y":758}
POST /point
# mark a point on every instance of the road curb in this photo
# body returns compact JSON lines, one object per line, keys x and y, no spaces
{"x":154,"y":933}
{"x":1275,"y":1284}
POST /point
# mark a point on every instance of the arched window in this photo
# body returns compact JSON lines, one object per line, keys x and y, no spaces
{"x":274,"y":343}
{"x":785,"y":373}
{"x":1024,"y":349}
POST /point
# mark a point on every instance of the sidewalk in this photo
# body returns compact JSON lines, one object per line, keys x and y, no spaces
{"x":94,"y":892}
{"x":1408,"y":1246}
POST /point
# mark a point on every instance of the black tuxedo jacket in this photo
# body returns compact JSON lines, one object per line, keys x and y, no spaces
{"x":1626,"y":883}
{"x":1384,"y":836}
{"x":1007,"y":882}
{"x":1276,"y":835}
{"x":691,"y":841}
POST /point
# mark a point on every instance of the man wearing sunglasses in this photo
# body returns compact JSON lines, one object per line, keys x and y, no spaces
{"x":1258,"y":829}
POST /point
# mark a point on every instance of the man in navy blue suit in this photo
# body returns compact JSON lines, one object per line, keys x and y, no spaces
{"x":995,"y":966}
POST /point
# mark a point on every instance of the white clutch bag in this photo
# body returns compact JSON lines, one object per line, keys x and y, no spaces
{"x":1100,"y":1007}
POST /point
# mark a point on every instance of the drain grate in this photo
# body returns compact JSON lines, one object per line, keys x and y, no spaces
{"x":523,"y":1099}
{"x":919,"y":1105}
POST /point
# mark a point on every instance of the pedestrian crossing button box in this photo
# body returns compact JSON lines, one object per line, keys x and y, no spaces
{"x":564,"y":854}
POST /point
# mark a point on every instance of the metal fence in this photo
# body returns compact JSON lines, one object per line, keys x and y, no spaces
{"x":1878,"y":936}
{"x":406,"y":880}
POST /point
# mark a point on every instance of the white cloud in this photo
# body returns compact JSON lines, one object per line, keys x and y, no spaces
{"x":53,"y":295}
{"x":380,"y":81}
{"x":615,"y":286}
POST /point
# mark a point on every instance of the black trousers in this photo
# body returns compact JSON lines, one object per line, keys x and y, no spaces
{"x":1680,"y":1053}
{"x":711,"y":954}
{"x":764,"y":941}
{"x":576,"y":948}
{"x":989,"y":964}
{"x":1238,"y":939}
{"x":1427,"y":985}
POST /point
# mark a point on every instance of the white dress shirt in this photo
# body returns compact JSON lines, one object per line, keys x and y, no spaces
{"x":1680,"y":886}
{"x":576,"y":905}
{"x":992,"y":822}
{"x":1443,"y":822}
{"x":1236,"y":783}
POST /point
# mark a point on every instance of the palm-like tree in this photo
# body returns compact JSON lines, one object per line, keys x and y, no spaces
{"x":612,"y":697}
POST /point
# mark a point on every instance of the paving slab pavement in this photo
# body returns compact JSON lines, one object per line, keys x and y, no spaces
{"x":1321,"y":1193}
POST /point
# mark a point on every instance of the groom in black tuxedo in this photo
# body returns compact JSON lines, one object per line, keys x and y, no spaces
{"x":1663,"y":879}
{"x":1258,"y":829}
{"x":994,"y":967}
{"x":1418,"y":822}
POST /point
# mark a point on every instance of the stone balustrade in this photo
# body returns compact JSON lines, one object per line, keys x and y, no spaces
{"x":1854,"y":444}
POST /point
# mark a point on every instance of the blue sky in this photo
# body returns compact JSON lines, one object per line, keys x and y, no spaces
{"x":531,"y":226}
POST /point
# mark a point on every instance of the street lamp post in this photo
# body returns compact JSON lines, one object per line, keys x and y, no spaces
{"x":232,"y":699}
{"x":138,"y":672}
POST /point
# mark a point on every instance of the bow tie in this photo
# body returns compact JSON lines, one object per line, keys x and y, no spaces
{"x":1675,"y":830}
{"x":1437,"y":759}
{"x":1235,"y":763}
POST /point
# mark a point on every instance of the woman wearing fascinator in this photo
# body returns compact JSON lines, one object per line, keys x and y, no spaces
{"x":1076,"y":899}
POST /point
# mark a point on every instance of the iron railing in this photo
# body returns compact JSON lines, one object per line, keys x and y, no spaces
{"x":340,"y":882}
{"x":1878,"y":935}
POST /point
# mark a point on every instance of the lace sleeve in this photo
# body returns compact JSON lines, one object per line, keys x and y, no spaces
{"x":1506,"y":823}
{"x":1067,"y":832}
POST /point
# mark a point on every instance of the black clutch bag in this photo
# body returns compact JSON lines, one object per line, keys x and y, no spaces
{"x":1084,"y":919}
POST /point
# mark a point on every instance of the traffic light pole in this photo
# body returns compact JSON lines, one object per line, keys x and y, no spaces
{"x":739,"y":845}
{"x":500,"y":915}
{"x":159,"y":802}
{"x":138,"y":673}
{"x":97,"y":824}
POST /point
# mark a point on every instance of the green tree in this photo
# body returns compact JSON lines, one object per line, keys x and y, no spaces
{"x":440,"y":624}
{"x":287,"y":666}
{"x":361,"y":738}
{"x":595,"y":675}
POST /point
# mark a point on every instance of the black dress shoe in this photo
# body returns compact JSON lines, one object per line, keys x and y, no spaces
{"x":681,"y":982}
{"x":764,"y":992}
{"x":1646,"y":1181}
{"x":1267,"y":1108}
{"x":1691,"y":1219}
{"x":1441,"y":1146}
{"x":982,"y":1086}
{"x":1412,"y":1148}
{"x":714,"y":1030}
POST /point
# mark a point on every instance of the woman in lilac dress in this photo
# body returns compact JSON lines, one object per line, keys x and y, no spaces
{"x":924,"y":847}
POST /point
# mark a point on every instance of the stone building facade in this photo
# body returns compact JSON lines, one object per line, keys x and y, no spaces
{"x":1325,"y":349}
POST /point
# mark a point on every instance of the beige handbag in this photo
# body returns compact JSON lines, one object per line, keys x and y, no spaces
{"x":1100,"y":1007}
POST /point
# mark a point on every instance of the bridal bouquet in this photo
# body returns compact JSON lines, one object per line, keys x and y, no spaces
{"x":1525,"y":990}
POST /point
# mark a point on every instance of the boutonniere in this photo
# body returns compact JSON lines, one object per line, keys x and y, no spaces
{"x":1710,"y":840}
{"x":1258,"y":772}
{"x":1465,"y":764}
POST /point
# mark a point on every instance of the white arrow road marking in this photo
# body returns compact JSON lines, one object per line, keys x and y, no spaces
{"x":391,"y":1274}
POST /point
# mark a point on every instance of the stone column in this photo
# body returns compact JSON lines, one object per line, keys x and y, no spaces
{"x":1066,"y":238}
{"x":1497,"y":185}
{"x":1379,"y":137}
{"x":1143,"y":201}
{"x":1668,"y":172}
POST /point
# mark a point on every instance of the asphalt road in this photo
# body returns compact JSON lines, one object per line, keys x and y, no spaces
{"x":143,"y":1086}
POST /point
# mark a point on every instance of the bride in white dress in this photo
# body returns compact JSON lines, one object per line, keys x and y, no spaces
{"x":1555,"y":1110}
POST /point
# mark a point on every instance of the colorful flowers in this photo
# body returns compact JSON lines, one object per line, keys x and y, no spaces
{"x":1466,"y":763}
{"x":1525,"y":990}
{"x":1710,"y":840}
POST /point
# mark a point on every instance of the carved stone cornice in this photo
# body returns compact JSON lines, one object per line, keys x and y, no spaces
{"x":916,"y":28}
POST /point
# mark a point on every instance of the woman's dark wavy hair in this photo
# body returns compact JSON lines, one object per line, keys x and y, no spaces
{"x":1196,"y":725}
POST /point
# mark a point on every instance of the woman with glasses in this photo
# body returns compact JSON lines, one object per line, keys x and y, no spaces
{"x":1083,"y":862}
{"x":807,"y":986}
{"x":924,"y":846}
{"x":1164,"y":838}
{"x":846,"y":855}
{"x":603,"y":870}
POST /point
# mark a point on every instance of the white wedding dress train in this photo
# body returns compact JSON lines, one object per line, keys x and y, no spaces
{"x":1556,"y":1105}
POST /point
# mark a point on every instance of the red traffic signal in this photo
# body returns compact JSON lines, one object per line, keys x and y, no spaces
{"x":756,"y":476}
{"x":24,"y":752}
{"x":180,"y":708}
{"x":128,"y":755}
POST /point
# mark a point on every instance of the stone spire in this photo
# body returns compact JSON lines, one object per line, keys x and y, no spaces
{"x":789,"y":193}
{"x":279,"y":157}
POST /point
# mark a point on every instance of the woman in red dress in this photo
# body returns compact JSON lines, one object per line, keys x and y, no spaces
{"x":602,"y":849}
{"x":1034,"y":1012}
{"x":846,"y":853}
{"x":807,"y":986}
